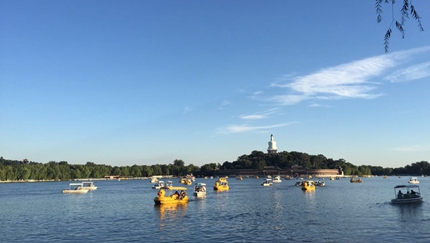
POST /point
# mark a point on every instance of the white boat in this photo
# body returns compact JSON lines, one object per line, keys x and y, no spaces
{"x":191,"y":177}
{"x":154,"y":179}
{"x":267,"y":182}
{"x":158,"y":185}
{"x":300,"y":182}
{"x":200,"y":190}
{"x":161,"y":184}
{"x":410,"y":194}
{"x":277,"y":179}
{"x":89,"y":185}
{"x":320,"y":183}
{"x":75,"y":188}
{"x":413,"y":180}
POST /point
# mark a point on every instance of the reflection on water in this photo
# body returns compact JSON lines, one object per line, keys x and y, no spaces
{"x":171,"y":211}
{"x":408,"y":211}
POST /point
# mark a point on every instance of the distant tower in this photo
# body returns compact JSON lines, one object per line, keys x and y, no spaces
{"x":272,"y":146}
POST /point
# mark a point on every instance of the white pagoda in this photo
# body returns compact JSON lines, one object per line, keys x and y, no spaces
{"x":272,"y":146}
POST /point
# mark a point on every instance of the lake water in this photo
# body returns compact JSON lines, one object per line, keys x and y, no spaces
{"x":124,"y":211}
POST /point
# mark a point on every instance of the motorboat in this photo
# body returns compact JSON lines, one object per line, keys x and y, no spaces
{"x":190,"y":177}
{"x":221,"y":184}
{"x":277,"y":179}
{"x":356,"y":180}
{"x":299,"y":182}
{"x":320,"y":183}
{"x":154,"y":179}
{"x":200,"y":190}
{"x":413,"y":180}
{"x":239,"y":178}
{"x":158,"y":185}
{"x":331,"y":178}
{"x":412,"y":195}
{"x":308,"y":185}
{"x":75,"y":188}
{"x":89,"y":185}
{"x":267,"y":182}
{"x":171,"y":195}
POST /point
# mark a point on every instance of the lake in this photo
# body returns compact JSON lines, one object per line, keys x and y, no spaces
{"x":124,"y":211}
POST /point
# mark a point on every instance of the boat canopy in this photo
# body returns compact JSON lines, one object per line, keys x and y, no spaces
{"x":176,"y":188}
{"x":406,"y":186}
{"x":75,"y":184}
{"x":200,"y":184}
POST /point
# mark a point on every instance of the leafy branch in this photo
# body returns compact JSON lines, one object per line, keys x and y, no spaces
{"x":407,"y":10}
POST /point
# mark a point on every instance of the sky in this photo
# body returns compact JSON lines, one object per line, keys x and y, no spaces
{"x":147,"y":82}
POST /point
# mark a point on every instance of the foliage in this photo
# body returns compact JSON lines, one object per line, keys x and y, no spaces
{"x":407,"y":9}
{"x":12,"y":170}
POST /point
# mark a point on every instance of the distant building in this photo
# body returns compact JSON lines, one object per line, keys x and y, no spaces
{"x":272,"y":146}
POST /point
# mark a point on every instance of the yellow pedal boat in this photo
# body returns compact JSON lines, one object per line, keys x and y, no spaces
{"x":171,"y":195}
{"x":221,"y":184}
{"x":186,"y":181}
{"x":308,"y":185}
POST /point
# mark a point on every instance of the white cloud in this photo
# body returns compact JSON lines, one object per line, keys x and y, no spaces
{"x":246,"y":128}
{"x":259,"y":116}
{"x":223,"y":104}
{"x":413,"y":148}
{"x":188,"y":109}
{"x":256,"y":94}
{"x":411,"y":73}
{"x":350,"y":80}
{"x":253,"y":117}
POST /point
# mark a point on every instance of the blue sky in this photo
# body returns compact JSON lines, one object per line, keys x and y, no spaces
{"x":148,"y":82}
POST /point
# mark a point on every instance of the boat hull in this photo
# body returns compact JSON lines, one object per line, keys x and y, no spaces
{"x":92,"y":188}
{"x":200,"y":194}
{"x":170,"y":200}
{"x":221,"y":188}
{"x":406,"y":200}
{"x":81,"y":191}
{"x":308,"y":188}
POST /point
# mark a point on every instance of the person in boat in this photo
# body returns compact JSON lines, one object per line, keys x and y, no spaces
{"x":400,"y":194}
{"x":413,"y":192}
{"x":175,"y":195}
{"x":78,"y":188}
{"x":182,"y":195}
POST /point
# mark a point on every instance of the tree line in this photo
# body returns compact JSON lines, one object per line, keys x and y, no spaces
{"x":11,"y":170}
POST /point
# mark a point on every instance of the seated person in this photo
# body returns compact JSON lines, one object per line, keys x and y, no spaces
{"x":400,"y":194}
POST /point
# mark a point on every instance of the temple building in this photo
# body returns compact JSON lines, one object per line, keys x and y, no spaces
{"x":272,"y":146}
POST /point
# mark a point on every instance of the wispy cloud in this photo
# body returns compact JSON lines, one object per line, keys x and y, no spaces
{"x":188,"y":109}
{"x":413,"y":148}
{"x":223,"y":104}
{"x":411,"y":73}
{"x":350,"y":80}
{"x":256,"y":95}
{"x":259,"y":116}
{"x":246,"y":128}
